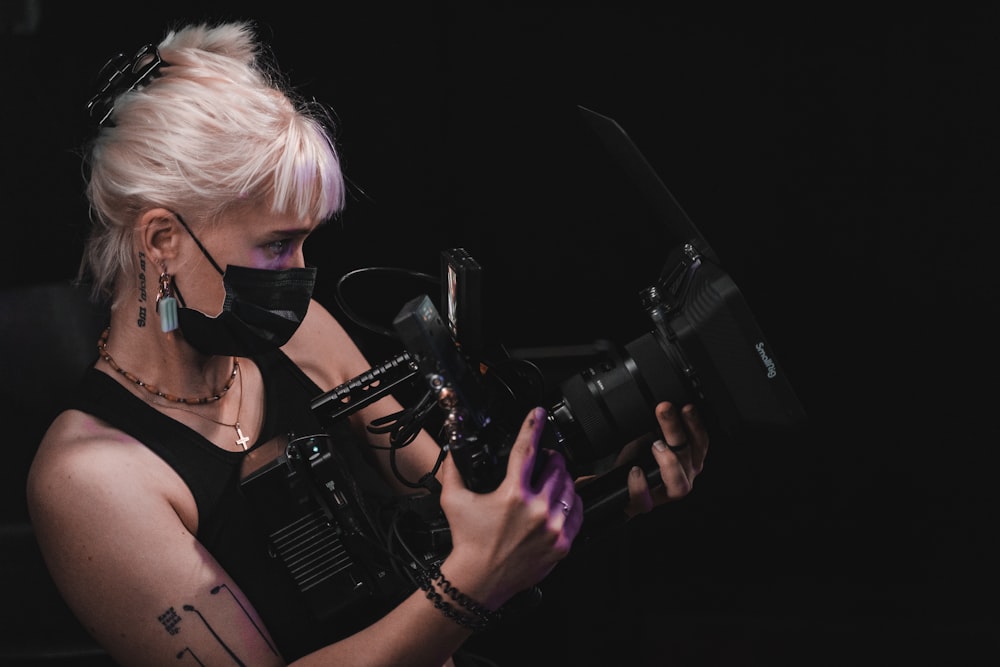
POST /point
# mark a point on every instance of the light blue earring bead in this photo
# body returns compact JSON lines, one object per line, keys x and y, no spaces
{"x":167,"y":309}
{"x":166,"y":305}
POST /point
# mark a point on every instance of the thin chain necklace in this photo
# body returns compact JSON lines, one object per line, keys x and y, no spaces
{"x":102,"y":348}
{"x":241,"y":439}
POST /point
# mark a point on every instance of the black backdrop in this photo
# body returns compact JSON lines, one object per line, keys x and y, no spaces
{"x":837,"y":163}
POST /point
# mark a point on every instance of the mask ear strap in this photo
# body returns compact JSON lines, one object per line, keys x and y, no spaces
{"x":200,"y":246}
{"x":177,"y":292}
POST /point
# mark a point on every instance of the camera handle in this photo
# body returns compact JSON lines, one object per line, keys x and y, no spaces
{"x":349,"y":397}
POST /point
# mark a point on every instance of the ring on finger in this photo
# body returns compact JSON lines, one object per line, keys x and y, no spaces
{"x":679,"y":448}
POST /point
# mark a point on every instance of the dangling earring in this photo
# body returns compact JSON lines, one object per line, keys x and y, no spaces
{"x":166,"y":304}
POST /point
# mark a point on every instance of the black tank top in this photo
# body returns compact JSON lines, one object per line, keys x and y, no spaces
{"x":229,"y":523}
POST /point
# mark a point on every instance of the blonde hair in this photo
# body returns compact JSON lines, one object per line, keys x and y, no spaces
{"x":217,"y":129}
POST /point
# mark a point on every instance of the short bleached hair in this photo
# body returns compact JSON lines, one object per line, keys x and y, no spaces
{"x":217,"y":129}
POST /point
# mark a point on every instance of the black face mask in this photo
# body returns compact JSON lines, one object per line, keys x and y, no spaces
{"x":263,"y":308}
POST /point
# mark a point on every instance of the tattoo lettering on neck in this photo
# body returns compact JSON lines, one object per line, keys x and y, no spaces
{"x":141,"y":321}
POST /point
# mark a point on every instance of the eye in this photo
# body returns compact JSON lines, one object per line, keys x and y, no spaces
{"x":278,"y":248}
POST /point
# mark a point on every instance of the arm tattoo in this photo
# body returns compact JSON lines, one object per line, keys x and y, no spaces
{"x":187,"y":650}
{"x":223,"y":644}
{"x":171,"y":620}
{"x":247,"y":614}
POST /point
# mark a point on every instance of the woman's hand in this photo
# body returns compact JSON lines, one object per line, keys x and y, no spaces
{"x":679,"y":452}
{"x":509,"y":539}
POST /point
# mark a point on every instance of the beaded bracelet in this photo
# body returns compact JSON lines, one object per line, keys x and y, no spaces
{"x":479,"y":617}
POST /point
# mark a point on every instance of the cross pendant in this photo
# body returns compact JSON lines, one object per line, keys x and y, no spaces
{"x":242,"y":440}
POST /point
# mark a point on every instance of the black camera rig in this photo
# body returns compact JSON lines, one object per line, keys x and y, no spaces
{"x":704,"y":347}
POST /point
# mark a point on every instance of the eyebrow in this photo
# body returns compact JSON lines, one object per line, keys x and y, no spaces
{"x":292,"y":231}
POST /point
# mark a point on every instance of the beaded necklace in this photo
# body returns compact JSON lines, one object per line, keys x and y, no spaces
{"x":102,"y":348}
{"x":241,"y":439}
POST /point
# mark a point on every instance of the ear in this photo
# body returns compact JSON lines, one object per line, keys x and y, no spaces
{"x":160,"y":235}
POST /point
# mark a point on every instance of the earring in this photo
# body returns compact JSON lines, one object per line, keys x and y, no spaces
{"x":166,"y":304}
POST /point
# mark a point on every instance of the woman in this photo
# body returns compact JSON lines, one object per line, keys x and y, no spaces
{"x":205,"y":180}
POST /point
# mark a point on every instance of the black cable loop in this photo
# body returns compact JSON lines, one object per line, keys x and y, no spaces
{"x":403,"y":427}
{"x":364,"y":322}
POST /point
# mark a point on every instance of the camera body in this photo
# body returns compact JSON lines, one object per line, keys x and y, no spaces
{"x":324,"y":528}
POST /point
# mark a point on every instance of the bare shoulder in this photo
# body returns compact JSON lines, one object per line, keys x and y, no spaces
{"x":87,"y":471}
{"x":324,"y":350}
{"x":78,"y":452}
{"x":114,"y":526}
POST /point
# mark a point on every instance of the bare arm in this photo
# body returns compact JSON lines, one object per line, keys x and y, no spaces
{"x":109,"y":522}
{"x":327,"y":354}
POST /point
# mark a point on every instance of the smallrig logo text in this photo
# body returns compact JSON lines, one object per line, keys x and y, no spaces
{"x":772,"y":370}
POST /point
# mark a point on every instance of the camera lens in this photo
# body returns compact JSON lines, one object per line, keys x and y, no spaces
{"x":612,"y":403}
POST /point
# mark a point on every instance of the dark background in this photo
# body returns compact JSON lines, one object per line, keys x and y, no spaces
{"x":837,"y":163}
